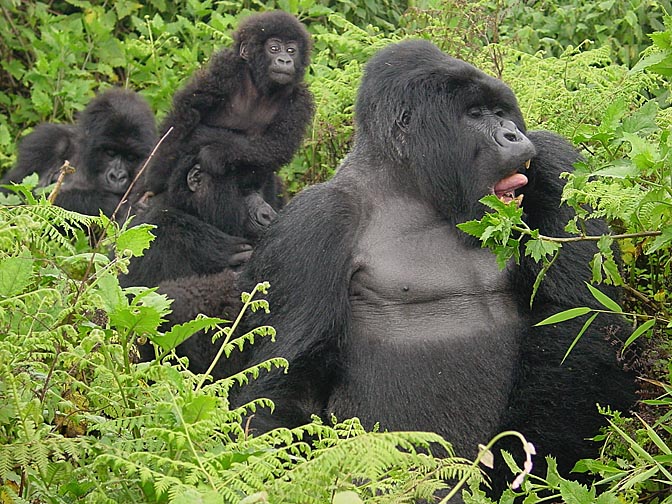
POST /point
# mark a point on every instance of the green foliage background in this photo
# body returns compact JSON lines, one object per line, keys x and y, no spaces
{"x":79,"y":421}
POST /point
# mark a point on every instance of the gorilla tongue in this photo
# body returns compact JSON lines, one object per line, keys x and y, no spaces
{"x":505,"y":189}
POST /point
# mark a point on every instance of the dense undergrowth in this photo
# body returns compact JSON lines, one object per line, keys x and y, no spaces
{"x":81,"y":421}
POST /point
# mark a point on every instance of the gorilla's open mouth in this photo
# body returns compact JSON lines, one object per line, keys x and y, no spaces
{"x":506,"y":188}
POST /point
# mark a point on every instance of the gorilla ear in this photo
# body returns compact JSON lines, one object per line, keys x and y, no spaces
{"x":244,"y":52}
{"x":194,"y":178}
{"x":403,"y":121}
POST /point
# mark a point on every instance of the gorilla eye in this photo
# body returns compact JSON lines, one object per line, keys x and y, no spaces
{"x":274,"y":48}
{"x":499,"y":112}
{"x":475,"y":113}
{"x":291,"y":50}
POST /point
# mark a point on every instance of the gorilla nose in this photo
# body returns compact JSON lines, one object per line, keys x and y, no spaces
{"x":514,"y":143}
{"x":509,"y":133}
{"x":265,"y":215}
{"x":117,"y":178}
{"x":285,"y":62}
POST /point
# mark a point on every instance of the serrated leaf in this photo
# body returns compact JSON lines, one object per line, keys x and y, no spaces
{"x":538,"y":249}
{"x":110,"y":292}
{"x":510,"y":462}
{"x":136,"y":239}
{"x":604,"y":300}
{"x":15,"y":274}
{"x":565,"y":315}
{"x":140,"y":319}
{"x":473,"y":227}
{"x":608,"y":498}
{"x":181,"y":332}
{"x":643,"y":121}
{"x":552,"y":475}
{"x":199,"y":408}
{"x":573,"y":492}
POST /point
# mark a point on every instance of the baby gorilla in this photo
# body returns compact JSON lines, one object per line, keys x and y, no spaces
{"x":249,"y":103}
{"x":206,"y":224}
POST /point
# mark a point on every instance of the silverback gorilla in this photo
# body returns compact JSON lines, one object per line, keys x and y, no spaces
{"x":111,"y":138}
{"x":387,"y":312}
{"x":249,"y":104}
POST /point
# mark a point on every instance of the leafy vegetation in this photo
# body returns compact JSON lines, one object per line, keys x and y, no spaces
{"x":80,"y":421}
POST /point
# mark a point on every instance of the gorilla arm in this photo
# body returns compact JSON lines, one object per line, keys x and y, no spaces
{"x":313,"y":235}
{"x":211,"y":295}
{"x":83,"y":200}
{"x":274,"y":146}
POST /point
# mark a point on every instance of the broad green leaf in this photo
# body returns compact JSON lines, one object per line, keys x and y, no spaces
{"x":111,"y":294}
{"x":608,"y":498}
{"x":565,"y":315}
{"x":552,"y":475}
{"x":194,"y":496}
{"x":347,"y":497}
{"x":648,"y":61}
{"x":139,"y":319}
{"x":661,"y":241}
{"x":539,"y":249}
{"x":575,"y":493}
{"x":619,"y":170}
{"x":643,"y":121}
{"x":473,"y":227}
{"x":136,"y":239}
{"x":604,"y":300}
{"x":15,"y":274}
{"x":199,"y":408}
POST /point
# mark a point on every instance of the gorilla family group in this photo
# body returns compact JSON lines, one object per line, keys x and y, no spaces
{"x":383,"y":308}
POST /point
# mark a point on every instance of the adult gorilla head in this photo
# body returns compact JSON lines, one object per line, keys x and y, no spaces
{"x":111,"y":138}
{"x":276,"y":47}
{"x":459,"y":130}
{"x":116,"y":132}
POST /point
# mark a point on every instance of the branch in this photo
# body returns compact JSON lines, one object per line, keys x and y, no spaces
{"x":589,"y":238}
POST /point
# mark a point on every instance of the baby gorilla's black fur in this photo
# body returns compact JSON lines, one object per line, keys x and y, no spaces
{"x":111,"y":138}
{"x":206,"y":224}
{"x":249,"y":103}
{"x":387,"y":312}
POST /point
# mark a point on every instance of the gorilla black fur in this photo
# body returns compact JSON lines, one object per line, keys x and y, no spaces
{"x":249,"y":111}
{"x":387,"y":312}
{"x":111,"y":138}
{"x":206,"y":224}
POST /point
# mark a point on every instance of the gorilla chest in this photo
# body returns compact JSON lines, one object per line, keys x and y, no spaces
{"x":409,"y":265}
{"x":249,"y":113}
{"x":434,"y":332}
